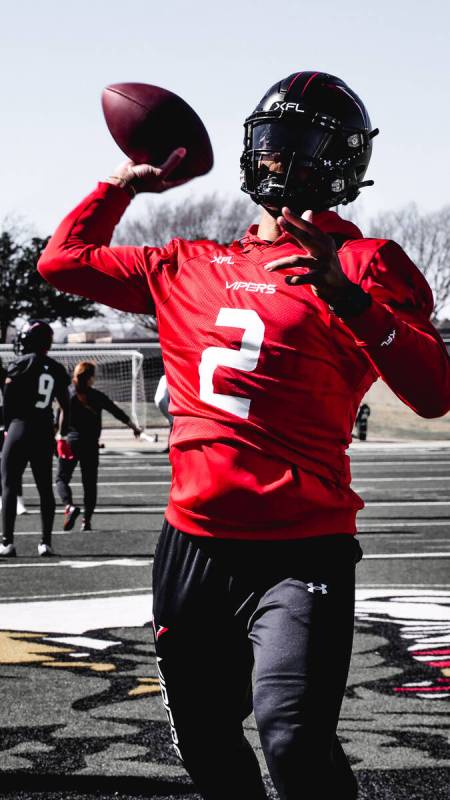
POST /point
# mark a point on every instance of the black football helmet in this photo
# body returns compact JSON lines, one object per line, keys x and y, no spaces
{"x":307,"y":144}
{"x":36,"y":336}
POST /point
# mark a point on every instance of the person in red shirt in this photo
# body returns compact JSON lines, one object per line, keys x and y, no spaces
{"x":269,"y":344}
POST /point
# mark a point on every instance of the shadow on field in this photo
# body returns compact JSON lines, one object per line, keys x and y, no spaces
{"x":404,"y":784}
{"x":22,"y":785}
{"x":407,"y":784}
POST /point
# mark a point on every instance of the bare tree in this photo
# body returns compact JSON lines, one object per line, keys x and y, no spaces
{"x":426,"y":239}
{"x":209,"y":217}
{"x":424,"y":236}
{"x":352,"y":213}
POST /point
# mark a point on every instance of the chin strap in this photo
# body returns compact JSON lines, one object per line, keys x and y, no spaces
{"x":354,"y":192}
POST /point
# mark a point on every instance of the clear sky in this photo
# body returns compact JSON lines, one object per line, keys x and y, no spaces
{"x":56,"y":57}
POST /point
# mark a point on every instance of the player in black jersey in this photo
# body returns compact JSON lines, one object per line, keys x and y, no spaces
{"x":32,"y":383}
{"x":20,"y":504}
{"x":3,"y":375}
{"x":86,"y":406}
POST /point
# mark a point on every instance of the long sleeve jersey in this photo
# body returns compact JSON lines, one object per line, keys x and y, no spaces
{"x":265,"y":382}
{"x":86,"y":414}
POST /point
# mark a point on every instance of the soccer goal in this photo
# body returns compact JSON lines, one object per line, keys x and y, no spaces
{"x":119,"y":373}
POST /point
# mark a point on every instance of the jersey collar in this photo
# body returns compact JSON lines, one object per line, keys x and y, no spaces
{"x":326,"y":221}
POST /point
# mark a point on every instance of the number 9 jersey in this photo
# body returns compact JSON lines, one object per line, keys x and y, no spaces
{"x":32,"y":383}
{"x":265,"y":382}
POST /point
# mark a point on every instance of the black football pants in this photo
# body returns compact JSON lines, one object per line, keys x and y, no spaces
{"x":87,"y":455}
{"x":27,"y":443}
{"x":283,"y":610}
{"x":19,"y":487}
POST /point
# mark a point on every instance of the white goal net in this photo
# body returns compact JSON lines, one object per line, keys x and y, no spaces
{"x":119,"y":373}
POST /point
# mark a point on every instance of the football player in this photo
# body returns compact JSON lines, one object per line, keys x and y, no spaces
{"x":362,"y":421}
{"x":33,"y":381}
{"x":20,"y":504}
{"x":86,"y":406}
{"x":269,"y":345}
{"x":162,"y":401}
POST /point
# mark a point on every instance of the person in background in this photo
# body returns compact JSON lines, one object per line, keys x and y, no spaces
{"x":20,"y":504}
{"x":162,"y":400}
{"x":86,"y":406}
{"x":362,"y":421}
{"x":33,"y":381}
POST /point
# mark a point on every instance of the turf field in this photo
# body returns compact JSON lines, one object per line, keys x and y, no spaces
{"x":81,"y":714}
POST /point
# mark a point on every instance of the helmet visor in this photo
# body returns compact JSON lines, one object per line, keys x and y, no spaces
{"x":305,"y":139}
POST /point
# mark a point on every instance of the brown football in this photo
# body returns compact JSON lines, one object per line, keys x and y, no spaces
{"x":148,"y":123}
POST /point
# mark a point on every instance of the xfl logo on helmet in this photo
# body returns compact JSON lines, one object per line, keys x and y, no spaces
{"x":284,"y":106}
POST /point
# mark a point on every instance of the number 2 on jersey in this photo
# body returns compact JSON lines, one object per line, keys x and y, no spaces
{"x":45,"y":389}
{"x":246,"y":359}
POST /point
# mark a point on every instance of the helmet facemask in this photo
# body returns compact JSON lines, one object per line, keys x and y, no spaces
{"x":302,"y":160}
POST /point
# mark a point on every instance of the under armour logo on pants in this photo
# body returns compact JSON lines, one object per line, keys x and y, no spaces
{"x":322,"y":587}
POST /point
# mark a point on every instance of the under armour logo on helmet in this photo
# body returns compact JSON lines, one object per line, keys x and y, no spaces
{"x":322,"y":587}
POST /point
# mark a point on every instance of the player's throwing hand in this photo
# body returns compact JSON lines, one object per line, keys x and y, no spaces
{"x":146,"y":178}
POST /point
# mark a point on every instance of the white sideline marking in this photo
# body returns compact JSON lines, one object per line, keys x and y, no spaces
{"x":114,"y":510}
{"x":407,"y":503}
{"x":407,"y":587}
{"x":110,"y":592}
{"x":413,"y":538}
{"x":405,"y":478}
{"x":74,"y":532}
{"x":160,"y":509}
{"x":418,"y":444}
{"x":380,"y":556}
{"x":423,"y":523}
{"x":115,"y":562}
{"x":425,"y":539}
{"x":380,"y":463}
{"x":365,"y":481}
{"x":113,"y":483}
{"x":38,"y":533}
{"x":146,"y":456}
{"x":135,"y":467}
{"x":361,"y":532}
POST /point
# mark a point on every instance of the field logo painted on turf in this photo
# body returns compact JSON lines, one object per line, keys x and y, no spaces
{"x":422,"y":623}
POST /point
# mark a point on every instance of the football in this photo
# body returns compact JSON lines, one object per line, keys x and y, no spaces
{"x":148,"y":123}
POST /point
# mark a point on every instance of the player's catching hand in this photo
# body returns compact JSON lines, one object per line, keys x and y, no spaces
{"x":325,"y":272}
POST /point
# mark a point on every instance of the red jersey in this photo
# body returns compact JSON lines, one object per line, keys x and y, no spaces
{"x":265,"y":382}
